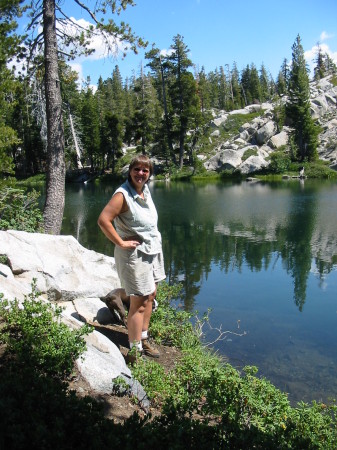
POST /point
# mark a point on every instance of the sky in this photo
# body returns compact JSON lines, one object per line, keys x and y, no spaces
{"x":219,"y":32}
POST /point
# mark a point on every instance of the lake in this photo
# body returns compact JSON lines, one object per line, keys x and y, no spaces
{"x":262,"y":256}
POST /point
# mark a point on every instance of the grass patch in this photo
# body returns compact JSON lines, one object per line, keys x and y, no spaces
{"x":35,"y":180}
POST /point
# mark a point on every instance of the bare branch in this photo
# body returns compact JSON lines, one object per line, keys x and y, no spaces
{"x":91,"y":14}
{"x":222,"y":335}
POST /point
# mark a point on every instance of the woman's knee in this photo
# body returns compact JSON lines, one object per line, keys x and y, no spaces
{"x":139,"y":302}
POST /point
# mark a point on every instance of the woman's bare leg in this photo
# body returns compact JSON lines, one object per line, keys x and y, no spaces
{"x":138,"y":306}
{"x":148,"y":312}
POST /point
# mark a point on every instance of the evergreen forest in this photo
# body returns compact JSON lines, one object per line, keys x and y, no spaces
{"x":163,"y":108}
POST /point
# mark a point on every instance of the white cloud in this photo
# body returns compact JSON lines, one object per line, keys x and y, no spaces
{"x":324,"y":36}
{"x":77,"y":68}
{"x":103,"y":46}
{"x":310,"y":55}
{"x":166,"y":52}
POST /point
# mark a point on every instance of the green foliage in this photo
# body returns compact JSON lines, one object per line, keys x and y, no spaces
{"x":34,"y":332}
{"x":170,"y":325}
{"x":8,"y":138}
{"x":279,"y":113}
{"x":233,"y":123}
{"x":304,"y":139}
{"x":248,"y":153}
{"x":35,"y":180}
{"x":19,"y":210}
{"x":3,"y":260}
{"x":280,"y":161}
{"x":319,"y":170}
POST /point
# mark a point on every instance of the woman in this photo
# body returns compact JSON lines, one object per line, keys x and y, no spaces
{"x":138,"y":251}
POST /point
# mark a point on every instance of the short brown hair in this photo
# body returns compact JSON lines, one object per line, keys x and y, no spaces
{"x":144,"y":160}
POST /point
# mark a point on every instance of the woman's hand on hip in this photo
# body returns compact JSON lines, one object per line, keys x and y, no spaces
{"x":129,"y":245}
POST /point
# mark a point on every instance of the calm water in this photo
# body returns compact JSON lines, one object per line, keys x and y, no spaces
{"x":262,"y":256}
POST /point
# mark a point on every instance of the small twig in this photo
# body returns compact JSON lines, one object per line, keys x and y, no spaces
{"x":222,"y":335}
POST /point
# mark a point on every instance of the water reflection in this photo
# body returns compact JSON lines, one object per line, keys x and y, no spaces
{"x":246,"y":224}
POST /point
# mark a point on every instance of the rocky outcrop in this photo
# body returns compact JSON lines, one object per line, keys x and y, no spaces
{"x":75,"y":278}
{"x":263,"y":133}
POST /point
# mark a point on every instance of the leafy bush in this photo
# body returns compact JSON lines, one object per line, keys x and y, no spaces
{"x":170,"y":325}
{"x":319,"y":169}
{"x":34,"y":333}
{"x":280,"y":162}
{"x":19,"y":210}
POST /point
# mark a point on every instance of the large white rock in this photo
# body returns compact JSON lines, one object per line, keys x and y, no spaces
{"x":101,"y":367}
{"x":278,"y":140}
{"x":253,"y":164}
{"x":218,"y":121}
{"x":224,"y":160}
{"x":64,"y":269}
{"x":263,"y":134}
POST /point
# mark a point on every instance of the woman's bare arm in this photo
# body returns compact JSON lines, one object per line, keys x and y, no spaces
{"x":116,"y":206}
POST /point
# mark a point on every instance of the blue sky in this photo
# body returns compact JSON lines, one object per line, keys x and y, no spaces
{"x":219,"y":32}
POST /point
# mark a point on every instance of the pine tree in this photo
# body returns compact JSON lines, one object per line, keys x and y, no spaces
{"x":331,"y":67}
{"x":305,"y":132}
{"x":254,"y":84}
{"x":114,"y":133}
{"x":245,"y":85}
{"x":223,"y":89}
{"x":9,"y":45}
{"x":146,"y":111}
{"x":182,"y":91}
{"x":50,"y":16}
{"x":203,"y":90}
{"x":283,"y":79}
{"x":265,"y":84}
{"x":319,"y":69}
{"x":160,"y":77}
{"x":236,"y":89}
{"x":90,"y":126}
{"x":213,"y":88}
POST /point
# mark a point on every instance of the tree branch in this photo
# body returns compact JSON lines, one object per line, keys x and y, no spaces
{"x":222,"y":335}
{"x":91,"y":14}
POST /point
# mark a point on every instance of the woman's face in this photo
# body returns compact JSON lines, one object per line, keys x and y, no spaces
{"x":139,"y":175}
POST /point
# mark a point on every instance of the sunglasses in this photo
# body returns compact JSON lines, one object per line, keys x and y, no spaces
{"x":139,"y":169}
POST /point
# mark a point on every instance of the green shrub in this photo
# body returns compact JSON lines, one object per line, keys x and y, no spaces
{"x":34,"y":332}
{"x":172,"y":326}
{"x":279,"y":162}
{"x":248,"y":153}
{"x":19,"y":210}
{"x":206,"y":404}
{"x":319,"y":169}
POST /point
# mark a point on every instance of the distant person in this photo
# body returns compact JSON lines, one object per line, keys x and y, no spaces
{"x":138,"y":251}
